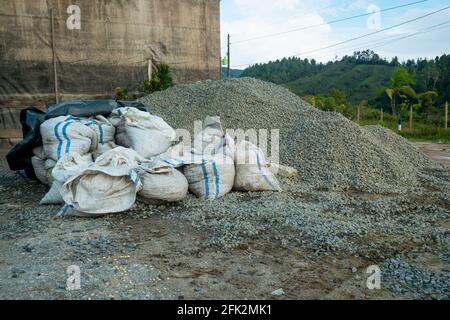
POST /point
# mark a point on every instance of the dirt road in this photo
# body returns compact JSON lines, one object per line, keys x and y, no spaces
{"x":436,"y":151}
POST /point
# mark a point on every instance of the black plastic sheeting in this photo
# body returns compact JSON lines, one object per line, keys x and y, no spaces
{"x":19,"y":157}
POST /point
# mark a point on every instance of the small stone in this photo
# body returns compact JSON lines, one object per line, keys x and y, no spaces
{"x":278,"y":292}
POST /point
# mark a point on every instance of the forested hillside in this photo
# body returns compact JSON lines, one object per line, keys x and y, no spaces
{"x":362,"y":76}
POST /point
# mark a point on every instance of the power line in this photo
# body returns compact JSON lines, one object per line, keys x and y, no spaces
{"x":326,"y":23}
{"x":306,"y":14}
{"x":383,"y":41}
{"x":359,"y":37}
{"x":372,"y":33}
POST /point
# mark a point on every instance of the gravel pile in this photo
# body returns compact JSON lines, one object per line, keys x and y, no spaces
{"x":330,"y":151}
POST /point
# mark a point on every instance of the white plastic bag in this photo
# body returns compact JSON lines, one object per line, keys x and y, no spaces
{"x":68,"y":166}
{"x":67,"y":134}
{"x":211,"y":179}
{"x":252,"y":172}
{"x":100,"y":190}
{"x":149,"y":135}
{"x":162,"y":183}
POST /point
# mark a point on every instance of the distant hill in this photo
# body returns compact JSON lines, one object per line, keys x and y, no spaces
{"x":359,"y":82}
{"x":361,"y":76}
{"x":235,"y":73}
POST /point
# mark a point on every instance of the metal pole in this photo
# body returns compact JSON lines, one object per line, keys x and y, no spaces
{"x":55,"y":74}
{"x":228,"y":57}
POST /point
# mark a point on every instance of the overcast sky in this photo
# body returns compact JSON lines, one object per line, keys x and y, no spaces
{"x":246,"y":19}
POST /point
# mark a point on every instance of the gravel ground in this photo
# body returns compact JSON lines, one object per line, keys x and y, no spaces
{"x":370,"y":198}
{"x":313,"y":245}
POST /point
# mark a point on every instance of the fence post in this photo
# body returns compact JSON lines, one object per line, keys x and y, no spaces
{"x":55,"y":72}
{"x":382,"y":115}
{"x":410,"y":118}
{"x":446,"y":115}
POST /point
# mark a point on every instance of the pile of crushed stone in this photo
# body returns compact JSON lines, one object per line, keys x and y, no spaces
{"x":329,"y":151}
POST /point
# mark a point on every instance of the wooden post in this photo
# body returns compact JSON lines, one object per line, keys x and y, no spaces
{"x":382,"y":115}
{"x":55,"y":72}
{"x":446,"y":115}
{"x":410,"y":118}
{"x":358,"y":114}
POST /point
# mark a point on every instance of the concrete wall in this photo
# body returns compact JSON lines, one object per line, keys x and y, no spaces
{"x":113,"y":48}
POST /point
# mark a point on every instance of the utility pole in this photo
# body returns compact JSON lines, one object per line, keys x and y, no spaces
{"x":228,"y":57}
{"x":55,"y":74}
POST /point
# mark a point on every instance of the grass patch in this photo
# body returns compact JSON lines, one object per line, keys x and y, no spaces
{"x":421,"y":131}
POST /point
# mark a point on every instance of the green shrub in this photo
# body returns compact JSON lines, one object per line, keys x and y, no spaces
{"x":161,"y":80}
{"x":121,"y":94}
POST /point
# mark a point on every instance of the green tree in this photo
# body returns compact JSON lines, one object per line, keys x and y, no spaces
{"x":339,"y":96}
{"x":399,"y":86}
{"x":426,"y":100}
{"x":161,"y":80}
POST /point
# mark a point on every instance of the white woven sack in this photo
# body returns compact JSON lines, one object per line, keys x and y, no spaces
{"x":252,"y":172}
{"x":67,"y":134}
{"x":149,"y":135}
{"x":42,"y":174}
{"x":212,"y":140}
{"x":100,"y":190}
{"x":211,"y":179}
{"x":105,"y":131}
{"x":162,"y":183}
{"x":119,"y":156}
{"x":68,"y":166}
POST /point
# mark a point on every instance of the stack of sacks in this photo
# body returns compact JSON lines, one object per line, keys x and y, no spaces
{"x":110,"y":185}
{"x":147,"y":164}
{"x":147,"y":134}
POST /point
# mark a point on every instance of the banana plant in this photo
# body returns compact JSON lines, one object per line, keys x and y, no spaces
{"x":399,"y":87}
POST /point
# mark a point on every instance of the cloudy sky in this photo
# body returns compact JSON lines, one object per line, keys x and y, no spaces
{"x":249,"y":19}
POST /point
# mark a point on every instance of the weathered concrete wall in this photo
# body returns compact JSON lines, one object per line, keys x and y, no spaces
{"x":113,"y":48}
